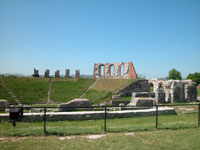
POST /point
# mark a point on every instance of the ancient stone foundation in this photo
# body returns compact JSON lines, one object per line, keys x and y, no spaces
{"x":174,"y":90}
{"x":123,"y":70}
{"x":137,"y":86}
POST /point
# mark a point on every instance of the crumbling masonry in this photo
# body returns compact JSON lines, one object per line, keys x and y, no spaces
{"x":123,"y":70}
{"x":174,"y":90}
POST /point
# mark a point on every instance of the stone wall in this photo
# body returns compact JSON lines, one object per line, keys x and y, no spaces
{"x":122,"y":70}
{"x":176,"y":90}
{"x":137,"y":86}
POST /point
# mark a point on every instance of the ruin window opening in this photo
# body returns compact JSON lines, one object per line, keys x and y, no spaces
{"x":151,"y":87}
{"x":121,"y":70}
{"x":102,"y":70}
{"x":111,"y":70}
{"x":160,"y":86}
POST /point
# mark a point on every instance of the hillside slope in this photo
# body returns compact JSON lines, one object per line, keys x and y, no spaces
{"x":103,"y":89}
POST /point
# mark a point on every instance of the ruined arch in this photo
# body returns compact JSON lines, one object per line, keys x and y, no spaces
{"x":121,"y":70}
{"x":111,"y":68}
{"x":151,"y":87}
{"x":161,"y":86}
{"x":102,"y":70}
{"x":128,"y":71}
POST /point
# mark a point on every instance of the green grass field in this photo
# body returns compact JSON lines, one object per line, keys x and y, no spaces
{"x":182,"y":139}
{"x":34,"y":90}
{"x":102,"y":91}
{"x":27,"y":90}
{"x":198,"y":91}
{"x":186,"y":117}
{"x":64,"y":90}
{"x":5,"y":95}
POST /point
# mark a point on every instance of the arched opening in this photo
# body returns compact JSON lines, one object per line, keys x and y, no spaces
{"x":151,"y":87}
{"x":122,"y":71}
{"x":111,"y":70}
{"x":160,"y":86}
{"x":102,"y":70}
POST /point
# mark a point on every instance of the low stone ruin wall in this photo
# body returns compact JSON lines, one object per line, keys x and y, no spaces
{"x":174,"y":90}
{"x":137,"y":86}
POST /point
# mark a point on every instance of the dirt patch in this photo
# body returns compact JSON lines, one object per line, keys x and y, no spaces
{"x":91,"y":136}
{"x":130,"y":133}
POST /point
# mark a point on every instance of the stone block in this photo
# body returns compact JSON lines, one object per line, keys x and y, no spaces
{"x":142,"y":102}
{"x":140,"y":94}
{"x":116,"y":103}
{"x":74,"y":103}
{"x":160,"y":96}
{"x":4,"y":103}
{"x":116,"y":97}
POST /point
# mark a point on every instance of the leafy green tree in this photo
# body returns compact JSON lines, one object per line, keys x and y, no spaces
{"x":174,"y":74}
{"x":194,"y":77}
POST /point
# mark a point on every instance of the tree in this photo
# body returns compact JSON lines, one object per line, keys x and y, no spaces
{"x":174,"y":74}
{"x":194,"y":77}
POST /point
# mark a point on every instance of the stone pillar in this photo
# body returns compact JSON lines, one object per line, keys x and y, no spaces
{"x":46,"y":74}
{"x":160,"y":96}
{"x":67,"y":73}
{"x":36,"y":73}
{"x":190,"y":91}
{"x":77,"y":74}
{"x":57,"y":74}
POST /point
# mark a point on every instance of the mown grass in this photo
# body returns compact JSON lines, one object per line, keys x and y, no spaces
{"x":183,"y":119}
{"x":68,"y":89}
{"x":111,"y":84}
{"x":102,"y":91}
{"x":27,"y":90}
{"x":187,"y":139}
{"x":4,"y":95}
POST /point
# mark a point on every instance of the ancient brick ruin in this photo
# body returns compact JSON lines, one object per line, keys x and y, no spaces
{"x":46,"y":73}
{"x":123,"y":70}
{"x":67,"y":73}
{"x":77,"y":75}
{"x":57,"y":74}
{"x":36,"y":73}
{"x":174,"y":90}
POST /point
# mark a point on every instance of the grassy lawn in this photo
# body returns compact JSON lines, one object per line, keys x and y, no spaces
{"x":185,"y":139}
{"x":102,"y":91}
{"x":198,"y":91}
{"x":27,"y":90}
{"x":183,"y":119}
{"x":5,"y":95}
{"x":63,"y":90}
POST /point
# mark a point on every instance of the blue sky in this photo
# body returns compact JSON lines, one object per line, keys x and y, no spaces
{"x":156,"y":35}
